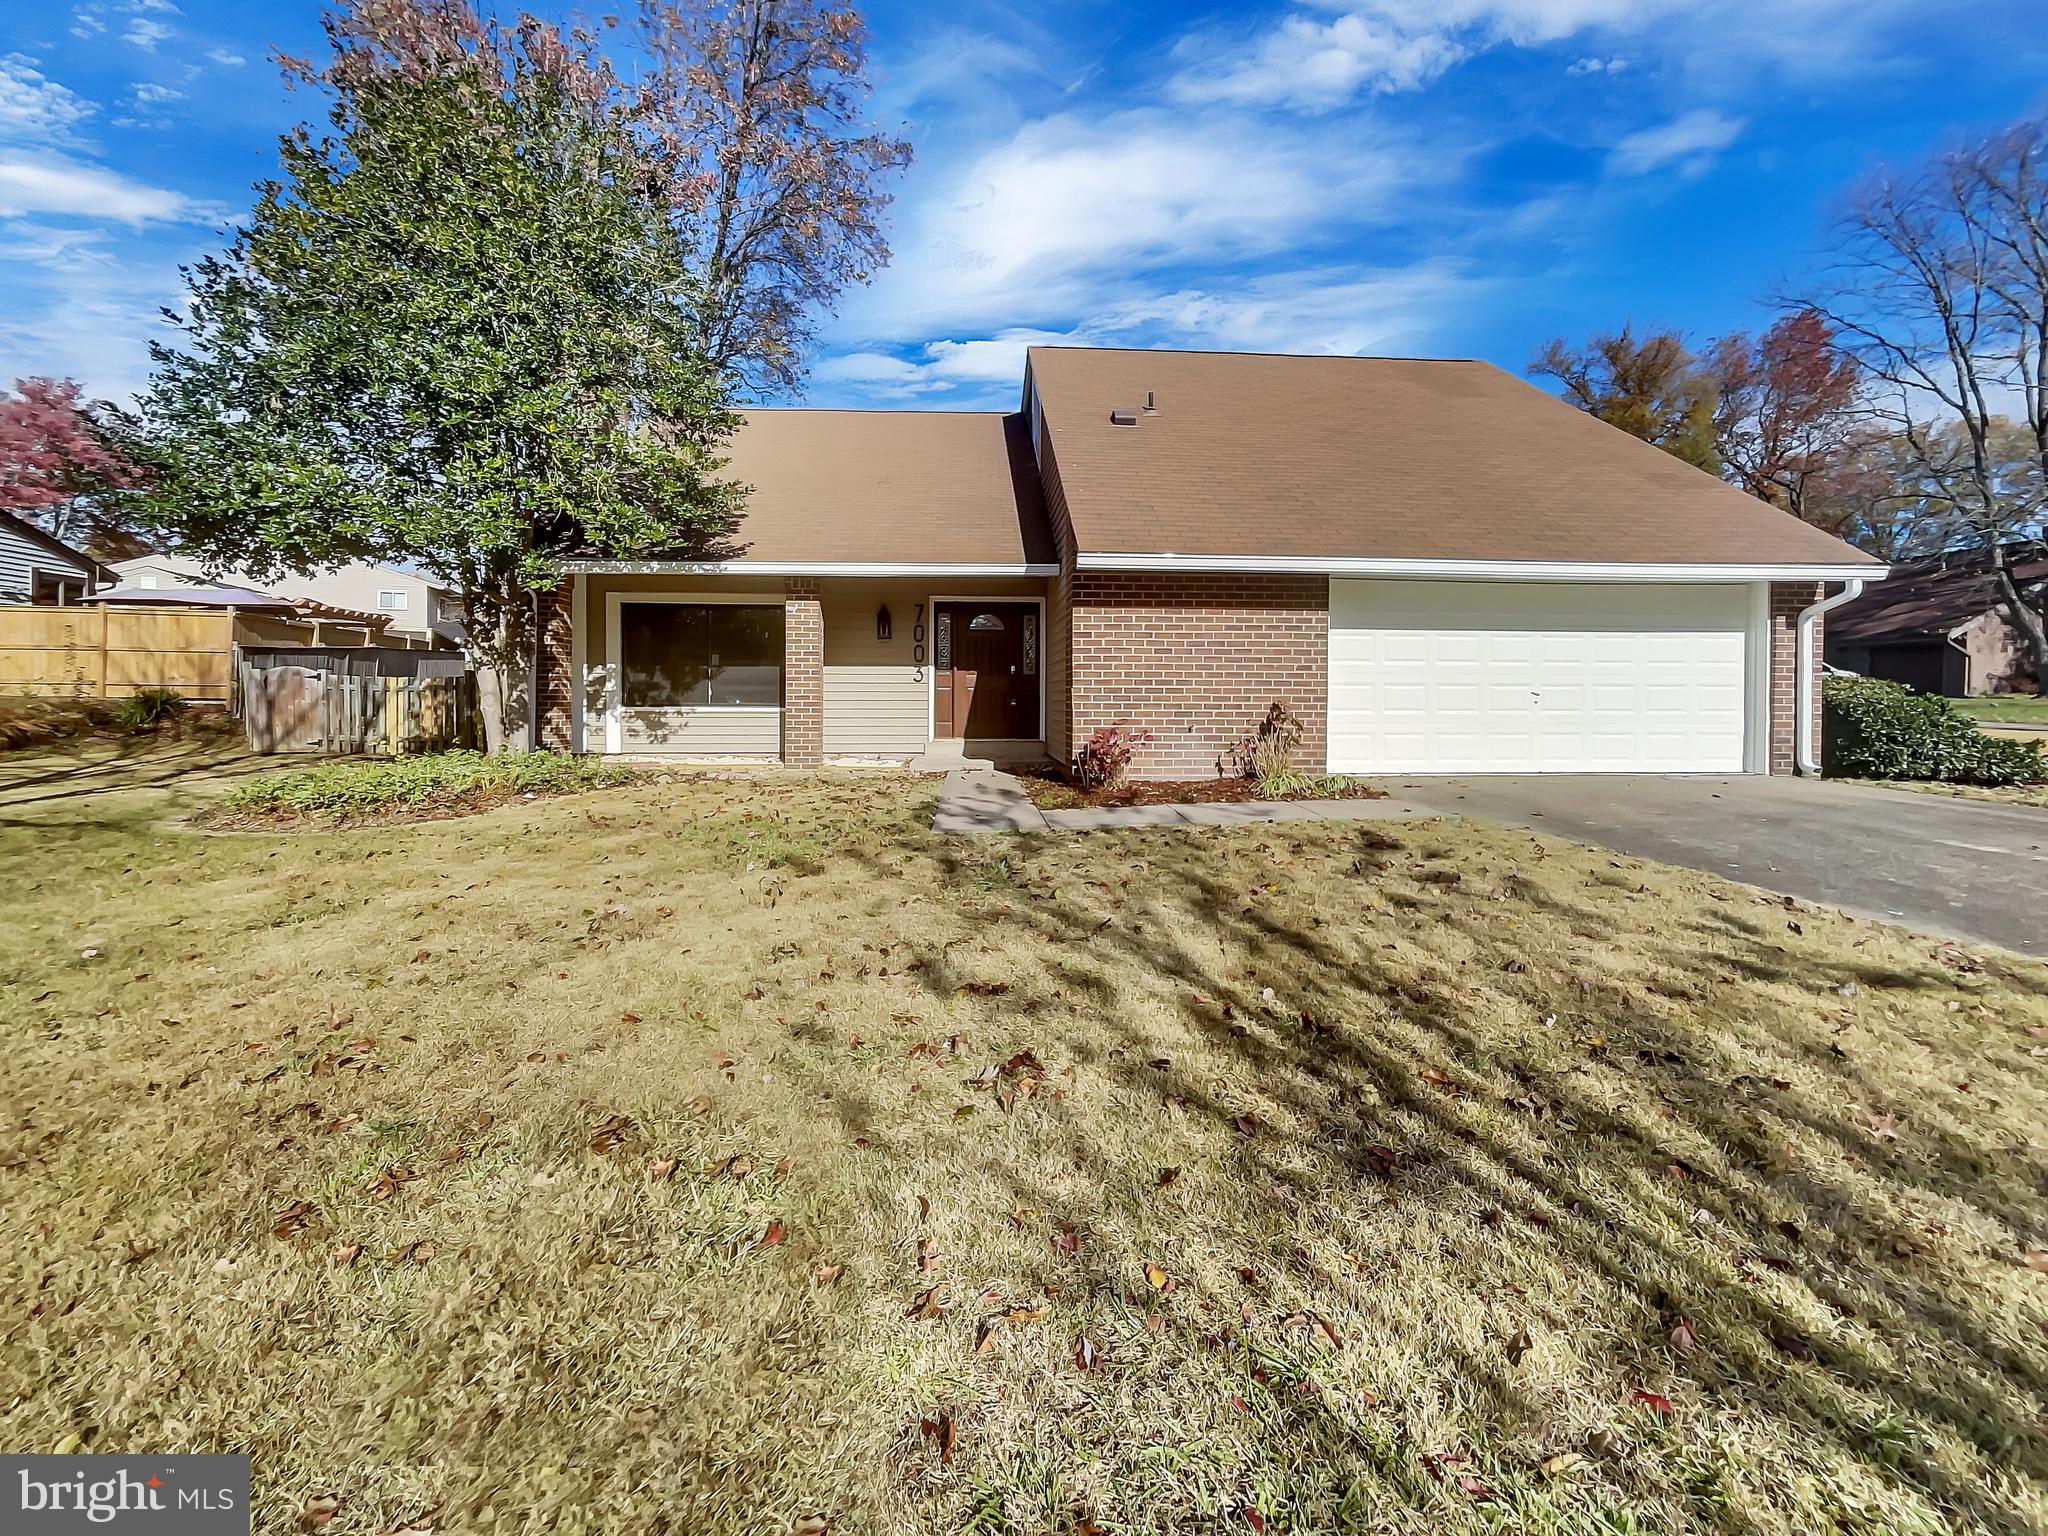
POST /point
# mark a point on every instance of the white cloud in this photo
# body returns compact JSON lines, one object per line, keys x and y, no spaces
{"x":78,"y":313}
{"x":1598,"y":66}
{"x":1032,"y":225}
{"x":225,"y":59}
{"x":1321,"y":63}
{"x":61,"y":185}
{"x":1332,"y":310}
{"x":145,"y":33}
{"x":88,"y":21}
{"x":1690,"y":142}
{"x":35,"y":109}
{"x":1321,"y":53}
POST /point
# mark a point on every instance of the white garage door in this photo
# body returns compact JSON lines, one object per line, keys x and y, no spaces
{"x":1537,"y":677}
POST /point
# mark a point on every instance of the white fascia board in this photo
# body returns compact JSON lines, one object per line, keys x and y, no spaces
{"x":802,"y":568}
{"x":1476,"y":570}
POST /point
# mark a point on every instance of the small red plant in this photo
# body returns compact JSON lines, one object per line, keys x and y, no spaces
{"x":1104,"y":761}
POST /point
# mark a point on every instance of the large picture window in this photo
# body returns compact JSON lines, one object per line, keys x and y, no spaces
{"x":699,"y":656}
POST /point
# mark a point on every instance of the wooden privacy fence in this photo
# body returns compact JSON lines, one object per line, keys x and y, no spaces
{"x":304,"y":709}
{"x":101,"y":652}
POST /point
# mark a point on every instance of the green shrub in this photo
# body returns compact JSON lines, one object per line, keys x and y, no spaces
{"x":431,"y":779}
{"x":1879,"y":730}
{"x":148,"y":709}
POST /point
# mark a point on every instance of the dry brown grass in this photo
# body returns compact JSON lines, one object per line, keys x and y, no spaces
{"x":1500,"y":1111}
{"x":2003,"y":794}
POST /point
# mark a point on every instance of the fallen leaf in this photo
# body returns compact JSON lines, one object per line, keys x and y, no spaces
{"x":1167,"y":1176}
{"x":293,"y":1219}
{"x":321,"y":1510}
{"x":662,"y":1169}
{"x":1562,"y":1462}
{"x":1247,"y":1125}
{"x":611,"y":1132}
{"x":1432,"y":1075}
{"x":773,"y":1234}
{"x":929,"y":1304}
{"x":828,"y":1274}
{"x":1656,"y":1402}
{"x":1086,"y":1355}
{"x":1683,"y":1339}
{"x":811,"y":1525}
{"x":1517,"y":1346}
{"x":1155,"y":1277}
{"x":345,"y":1255}
{"x":943,"y":1436}
{"x":2037,"y":1258}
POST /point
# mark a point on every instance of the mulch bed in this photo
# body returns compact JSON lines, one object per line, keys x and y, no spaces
{"x":1051,"y":792}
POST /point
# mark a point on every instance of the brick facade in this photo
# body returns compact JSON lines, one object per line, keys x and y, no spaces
{"x":1195,"y":659}
{"x":803,"y":673}
{"x":1788,"y":601}
{"x":553,"y":683}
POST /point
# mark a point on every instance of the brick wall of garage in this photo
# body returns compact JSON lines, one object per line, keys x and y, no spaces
{"x":1195,"y":659}
{"x":1788,"y":601}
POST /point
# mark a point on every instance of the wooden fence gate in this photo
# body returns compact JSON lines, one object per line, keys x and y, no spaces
{"x":301,"y":709}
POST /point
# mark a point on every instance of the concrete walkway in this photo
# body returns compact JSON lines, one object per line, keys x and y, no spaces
{"x":979,"y":798}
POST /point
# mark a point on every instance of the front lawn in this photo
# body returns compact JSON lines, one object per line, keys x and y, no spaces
{"x":726,"y":1156}
{"x":2006,"y":709}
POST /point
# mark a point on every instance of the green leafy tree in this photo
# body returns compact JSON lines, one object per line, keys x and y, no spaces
{"x":1652,"y":388}
{"x":456,"y":334}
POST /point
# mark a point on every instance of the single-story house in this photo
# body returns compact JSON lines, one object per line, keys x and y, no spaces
{"x":417,"y":607}
{"x":36,"y":567}
{"x":1437,"y":566}
{"x":1939,"y":626}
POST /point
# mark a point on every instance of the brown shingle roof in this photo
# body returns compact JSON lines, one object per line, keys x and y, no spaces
{"x":936,"y":487}
{"x":1387,"y":458}
{"x":1928,"y":601}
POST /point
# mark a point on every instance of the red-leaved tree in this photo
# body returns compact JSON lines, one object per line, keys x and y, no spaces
{"x":64,"y":469}
{"x":749,"y":116}
{"x":1785,"y":408}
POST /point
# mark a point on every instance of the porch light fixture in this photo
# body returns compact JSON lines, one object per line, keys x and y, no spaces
{"x":883,"y":630}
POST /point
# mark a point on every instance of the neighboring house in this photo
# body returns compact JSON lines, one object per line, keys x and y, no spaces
{"x":1438,"y":567}
{"x":1939,"y":626}
{"x":415,"y":605}
{"x":37,"y":568}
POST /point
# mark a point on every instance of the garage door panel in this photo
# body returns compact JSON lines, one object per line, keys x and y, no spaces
{"x":1469,"y":677}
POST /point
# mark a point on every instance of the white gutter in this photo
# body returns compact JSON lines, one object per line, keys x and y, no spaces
{"x":806,"y":568}
{"x":1802,"y":677}
{"x":1475,"y":570}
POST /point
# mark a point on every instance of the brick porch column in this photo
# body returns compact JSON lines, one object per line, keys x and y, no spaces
{"x":803,"y":673}
{"x":1788,"y":601}
{"x":556,"y":646}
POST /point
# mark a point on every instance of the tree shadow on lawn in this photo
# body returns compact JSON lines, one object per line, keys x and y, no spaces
{"x":1604,"y":1117}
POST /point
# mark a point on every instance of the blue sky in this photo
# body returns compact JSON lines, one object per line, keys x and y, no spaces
{"x":1436,"y":177}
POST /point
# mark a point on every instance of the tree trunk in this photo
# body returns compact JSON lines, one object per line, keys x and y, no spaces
{"x":504,"y":677}
{"x":2029,"y":621}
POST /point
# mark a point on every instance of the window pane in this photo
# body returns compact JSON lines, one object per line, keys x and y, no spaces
{"x":664,"y":650}
{"x":746,"y":655}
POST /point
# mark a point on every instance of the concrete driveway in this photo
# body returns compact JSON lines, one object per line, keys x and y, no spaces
{"x":1963,"y":868}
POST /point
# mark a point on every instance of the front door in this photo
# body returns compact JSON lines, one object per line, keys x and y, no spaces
{"x":986,"y":678}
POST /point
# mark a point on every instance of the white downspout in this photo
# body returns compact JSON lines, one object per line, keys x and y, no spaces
{"x":1802,"y":677}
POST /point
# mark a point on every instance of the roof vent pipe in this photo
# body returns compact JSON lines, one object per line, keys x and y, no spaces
{"x":1151,"y":404}
{"x":1802,"y":678}
{"x":1123,"y":418}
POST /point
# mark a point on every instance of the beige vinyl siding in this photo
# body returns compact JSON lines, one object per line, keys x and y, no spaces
{"x":875,"y":696}
{"x":702,"y":732}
